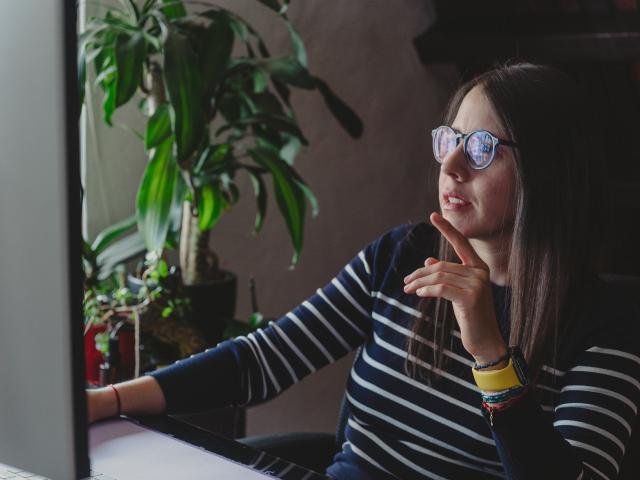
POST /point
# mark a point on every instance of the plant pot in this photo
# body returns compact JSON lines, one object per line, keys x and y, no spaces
{"x":93,"y":358}
{"x":211,"y":303}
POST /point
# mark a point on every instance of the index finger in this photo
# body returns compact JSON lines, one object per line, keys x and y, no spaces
{"x":459,"y":242}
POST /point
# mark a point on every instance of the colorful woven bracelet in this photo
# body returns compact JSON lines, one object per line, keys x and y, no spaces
{"x":502,"y":396}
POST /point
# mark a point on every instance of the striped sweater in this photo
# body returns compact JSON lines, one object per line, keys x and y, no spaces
{"x":577,"y":427}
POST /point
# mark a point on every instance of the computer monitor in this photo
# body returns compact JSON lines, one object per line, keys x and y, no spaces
{"x":42,"y":404}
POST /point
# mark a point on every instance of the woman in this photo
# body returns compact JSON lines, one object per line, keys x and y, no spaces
{"x":450,"y":316}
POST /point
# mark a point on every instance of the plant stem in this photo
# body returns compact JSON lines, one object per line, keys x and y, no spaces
{"x":197,"y":262}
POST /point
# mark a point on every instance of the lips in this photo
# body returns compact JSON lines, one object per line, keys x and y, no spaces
{"x":455,"y":201}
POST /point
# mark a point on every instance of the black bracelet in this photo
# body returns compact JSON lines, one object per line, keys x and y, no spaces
{"x":506,"y":356}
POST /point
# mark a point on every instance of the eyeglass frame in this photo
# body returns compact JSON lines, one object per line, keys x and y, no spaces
{"x":465,"y":138}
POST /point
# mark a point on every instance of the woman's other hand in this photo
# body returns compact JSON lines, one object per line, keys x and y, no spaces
{"x":468,"y":287}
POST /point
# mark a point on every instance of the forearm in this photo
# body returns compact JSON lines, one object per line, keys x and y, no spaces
{"x":529,"y":446}
{"x":141,"y":396}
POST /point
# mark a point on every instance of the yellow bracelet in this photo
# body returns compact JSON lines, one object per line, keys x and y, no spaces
{"x":495,"y":380}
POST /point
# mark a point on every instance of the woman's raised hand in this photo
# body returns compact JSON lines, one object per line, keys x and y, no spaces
{"x":468,"y":287}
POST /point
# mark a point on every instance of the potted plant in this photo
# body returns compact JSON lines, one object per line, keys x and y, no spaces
{"x":210,"y":114}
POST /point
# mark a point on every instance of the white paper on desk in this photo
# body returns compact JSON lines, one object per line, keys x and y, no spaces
{"x":126,"y":451}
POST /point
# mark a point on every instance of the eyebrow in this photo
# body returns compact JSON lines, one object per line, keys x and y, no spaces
{"x":459,"y":131}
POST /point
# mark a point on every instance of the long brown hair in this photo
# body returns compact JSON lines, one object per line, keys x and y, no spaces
{"x":558,"y":202}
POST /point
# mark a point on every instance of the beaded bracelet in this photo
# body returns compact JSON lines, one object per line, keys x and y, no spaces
{"x":492,"y":407}
{"x":503,"y":358}
{"x":502,"y":395}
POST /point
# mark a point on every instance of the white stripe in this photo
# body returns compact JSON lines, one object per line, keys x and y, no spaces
{"x":302,"y":327}
{"x":603,"y":391}
{"x":262,"y":454}
{"x":350,"y":271}
{"x":611,"y":373}
{"x":283,"y":472}
{"x":436,"y":393}
{"x":393,"y":453}
{"x":360,"y":453}
{"x":457,"y":462}
{"x":408,"y":333}
{"x":612,"y":351}
{"x":426,"y":413}
{"x":309,"y":473}
{"x":542,"y":386}
{"x":456,"y":333}
{"x":553,"y":371}
{"x":405,"y":354}
{"x":342,"y":290}
{"x":264,"y":469}
{"x":293,"y":347}
{"x":580,"y":476}
{"x":364,"y":262}
{"x":326,"y":299}
{"x":397,"y":304}
{"x":596,"y":470}
{"x":264,"y":379}
{"x":253,"y":338}
{"x":587,"y":426}
{"x":547,"y":408}
{"x":329,"y":327}
{"x":595,"y":450}
{"x":595,"y":408}
{"x":280,"y":356}
{"x":418,"y":433}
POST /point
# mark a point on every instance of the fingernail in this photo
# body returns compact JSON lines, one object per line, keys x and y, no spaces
{"x":406,"y":287}
{"x":406,"y":278}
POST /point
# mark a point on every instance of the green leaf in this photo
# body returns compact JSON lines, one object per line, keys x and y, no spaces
{"x":261,"y":198}
{"x":155,"y":197}
{"x":82,"y":75}
{"x":210,"y":206}
{"x":290,"y":71}
{"x":256,"y":320}
{"x":260,"y":81}
{"x":111,"y":233}
{"x":341,"y":111}
{"x":290,"y":150}
{"x":298,"y":45}
{"x":289,"y":197}
{"x":129,"y":56}
{"x":278,"y":122}
{"x":109,"y":102}
{"x":166,"y":312}
{"x":158,"y":127}
{"x":120,"y":251}
{"x":214,"y":53}
{"x":214,"y":158}
{"x":185,"y":94}
{"x":173,"y":9}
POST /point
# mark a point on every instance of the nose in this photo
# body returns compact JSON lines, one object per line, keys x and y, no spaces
{"x":455,"y":165}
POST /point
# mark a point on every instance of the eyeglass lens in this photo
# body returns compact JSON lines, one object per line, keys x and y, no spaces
{"x":479,"y":146}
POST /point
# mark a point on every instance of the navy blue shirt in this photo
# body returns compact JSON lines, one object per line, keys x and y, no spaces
{"x":400,"y":427}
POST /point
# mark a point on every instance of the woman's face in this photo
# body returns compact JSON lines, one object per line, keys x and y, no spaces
{"x":488,"y":193}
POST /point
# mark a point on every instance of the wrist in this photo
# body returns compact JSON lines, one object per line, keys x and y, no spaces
{"x":107,"y":404}
{"x":492,"y":355}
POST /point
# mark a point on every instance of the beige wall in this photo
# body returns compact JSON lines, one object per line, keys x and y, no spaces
{"x":364,"y":50}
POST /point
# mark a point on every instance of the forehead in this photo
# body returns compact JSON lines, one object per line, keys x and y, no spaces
{"x":476,"y":113}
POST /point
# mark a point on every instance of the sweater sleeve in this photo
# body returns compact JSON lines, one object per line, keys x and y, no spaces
{"x":596,"y":410}
{"x":248,"y":370}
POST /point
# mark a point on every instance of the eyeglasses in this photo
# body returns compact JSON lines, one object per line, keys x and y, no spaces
{"x":479,"y":146}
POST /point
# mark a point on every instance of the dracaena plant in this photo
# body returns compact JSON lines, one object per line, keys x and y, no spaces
{"x":217,"y":103}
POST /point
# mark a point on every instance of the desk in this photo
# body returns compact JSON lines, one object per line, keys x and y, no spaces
{"x":260,"y":461}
